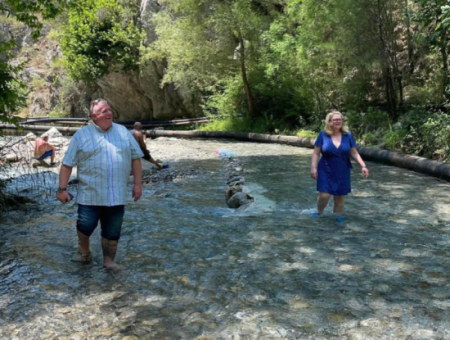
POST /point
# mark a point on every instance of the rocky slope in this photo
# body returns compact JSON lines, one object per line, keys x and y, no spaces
{"x":133,"y":95}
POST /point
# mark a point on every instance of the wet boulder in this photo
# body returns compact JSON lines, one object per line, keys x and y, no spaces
{"x":239,"y":199}
{"x":233,"y":180}
{"x":52,"y":133}
{"x":231,"y":191}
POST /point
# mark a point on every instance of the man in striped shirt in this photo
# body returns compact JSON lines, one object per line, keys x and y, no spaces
{"x":104,"y":153}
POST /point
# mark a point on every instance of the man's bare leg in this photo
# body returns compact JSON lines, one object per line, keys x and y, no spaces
{"x":83,"y":243}
{"x":109,"y":253}
{"x":84,"y":248}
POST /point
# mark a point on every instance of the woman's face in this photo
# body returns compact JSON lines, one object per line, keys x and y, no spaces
{"x":336,"y":121}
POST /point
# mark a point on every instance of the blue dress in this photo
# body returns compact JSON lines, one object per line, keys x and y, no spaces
{"x":334,"y":166}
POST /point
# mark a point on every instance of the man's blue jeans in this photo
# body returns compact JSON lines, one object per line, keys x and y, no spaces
{"x":111,"y":219}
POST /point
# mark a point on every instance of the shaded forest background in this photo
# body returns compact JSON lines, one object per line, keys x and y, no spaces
{"x":273,"y":66}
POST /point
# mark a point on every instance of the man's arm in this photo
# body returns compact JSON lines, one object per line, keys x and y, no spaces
{"x":137,"y":172}
{"x":64,"y":176}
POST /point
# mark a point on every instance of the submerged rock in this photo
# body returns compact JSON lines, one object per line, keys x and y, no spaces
{"x":239,"y":199}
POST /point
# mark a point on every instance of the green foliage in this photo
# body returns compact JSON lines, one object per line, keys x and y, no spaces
{"x":11,"y":98}
{"x":38,"y":83}
{"x":306,"y":134}
{"x":30,"y":13}
{"x":101,"y":36}
{"x":434,"y":18}
{"x":433,"y":137}
{"x":54,"y":35}
{"x":244,"y":124}
{"x":394,"y":139}
{"x":58,"y":113}
{"x":371,"y":120}
{"x":369,"y":139}
{"x":229,"y":101}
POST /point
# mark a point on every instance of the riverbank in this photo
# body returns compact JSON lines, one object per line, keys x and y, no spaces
{"x":25,"y":177}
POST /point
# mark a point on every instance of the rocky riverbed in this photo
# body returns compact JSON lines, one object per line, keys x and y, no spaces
{"x":196,"y":269}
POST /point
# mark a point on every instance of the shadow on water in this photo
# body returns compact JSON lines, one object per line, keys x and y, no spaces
{"x":196,"y":268}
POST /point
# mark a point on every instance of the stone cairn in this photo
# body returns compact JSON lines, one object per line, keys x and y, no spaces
{"x":234,"y":195}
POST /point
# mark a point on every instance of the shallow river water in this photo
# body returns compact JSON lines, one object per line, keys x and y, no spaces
{"x":195,"y":269}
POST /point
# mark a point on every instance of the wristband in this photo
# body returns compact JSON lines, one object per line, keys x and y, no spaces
{"x":62,"y":189}
{"x":363,"y":166}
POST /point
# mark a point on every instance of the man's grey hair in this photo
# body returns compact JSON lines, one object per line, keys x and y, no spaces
{"x":137,"y":124}
{"x":95,"y":102}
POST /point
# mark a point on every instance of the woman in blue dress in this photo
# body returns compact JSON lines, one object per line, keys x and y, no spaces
{"x":332,"y":172}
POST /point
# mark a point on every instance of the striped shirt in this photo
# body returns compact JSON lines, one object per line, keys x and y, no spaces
{"x":104,"y":163}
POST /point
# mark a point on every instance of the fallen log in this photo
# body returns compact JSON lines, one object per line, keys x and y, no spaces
{"x":414,"y":163}
{"x":67,"y":130}
{"x":145,"y":124}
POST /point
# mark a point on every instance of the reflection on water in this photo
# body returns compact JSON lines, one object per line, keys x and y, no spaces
{"x":196,"y":269}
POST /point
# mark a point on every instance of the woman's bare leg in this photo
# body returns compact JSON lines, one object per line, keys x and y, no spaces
{"x":322,"y":201}
{"x":338,"y":207}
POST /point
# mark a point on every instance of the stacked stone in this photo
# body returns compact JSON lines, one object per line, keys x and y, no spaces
{"x":234,"y":195}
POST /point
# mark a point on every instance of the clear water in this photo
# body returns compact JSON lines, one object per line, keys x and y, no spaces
{"x":195,"y":269}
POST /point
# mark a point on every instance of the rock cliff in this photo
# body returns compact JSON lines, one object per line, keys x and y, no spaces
{"x":134,"y":95}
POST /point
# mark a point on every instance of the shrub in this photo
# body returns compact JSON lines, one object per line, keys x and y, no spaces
{"x":237,"y":124}
{"x":306,"y":134}
{"x":394,"y":139}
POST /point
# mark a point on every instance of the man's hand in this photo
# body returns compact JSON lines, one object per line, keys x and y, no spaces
{"x":137,"y":191}
{"x":63,"y":196}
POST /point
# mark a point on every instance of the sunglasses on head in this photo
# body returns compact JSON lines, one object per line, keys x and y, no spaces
{"x":95,"y":102}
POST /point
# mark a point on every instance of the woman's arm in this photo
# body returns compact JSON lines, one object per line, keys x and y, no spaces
{"x":357,"y":157}
{"x":314,"y":161}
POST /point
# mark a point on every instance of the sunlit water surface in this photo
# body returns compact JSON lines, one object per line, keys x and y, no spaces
{"x":195,"y":269}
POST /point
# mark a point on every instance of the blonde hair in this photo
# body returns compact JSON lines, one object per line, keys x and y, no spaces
{"x":328,"y":129}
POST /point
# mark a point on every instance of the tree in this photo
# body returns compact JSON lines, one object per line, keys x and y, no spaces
{"x":434,"y":18}
{"x":30,"y":13}
{"x":362,"y":49}
{"x":100,"y":37}
{"x":206,"y":43}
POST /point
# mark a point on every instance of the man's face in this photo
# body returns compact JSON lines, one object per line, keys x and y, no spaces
{"x":102,"y":116}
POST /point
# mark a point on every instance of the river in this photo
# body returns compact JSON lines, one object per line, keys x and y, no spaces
{"x":195,"y":269}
